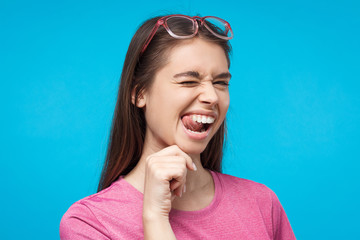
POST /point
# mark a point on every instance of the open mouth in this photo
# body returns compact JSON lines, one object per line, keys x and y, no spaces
{"x":197,"y":123}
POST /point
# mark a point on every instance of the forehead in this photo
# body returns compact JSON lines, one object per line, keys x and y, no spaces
{"x":197,"y":55}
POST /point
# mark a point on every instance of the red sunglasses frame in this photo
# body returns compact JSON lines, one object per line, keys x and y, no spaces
{"x":162,"y":21}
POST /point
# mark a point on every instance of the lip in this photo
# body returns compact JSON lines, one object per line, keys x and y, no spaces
{"x":197,"y":136}
{"x":201,"y":112}
{"x":203,"y":135}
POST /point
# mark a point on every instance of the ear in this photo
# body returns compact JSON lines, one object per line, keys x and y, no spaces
{"x":140,"y":101}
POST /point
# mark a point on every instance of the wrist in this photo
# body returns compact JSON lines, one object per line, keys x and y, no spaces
{"x":149,"y":216}
{"x":157,"y":227}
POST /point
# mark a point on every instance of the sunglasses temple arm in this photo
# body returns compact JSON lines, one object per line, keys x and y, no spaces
{"x":227,"y":28}
{"x":148,"y":40}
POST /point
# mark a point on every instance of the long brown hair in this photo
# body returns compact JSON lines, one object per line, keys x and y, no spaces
{"x":128,"y":127}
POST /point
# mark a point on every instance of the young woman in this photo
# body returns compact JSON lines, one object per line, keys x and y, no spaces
{"x":161,"y":178}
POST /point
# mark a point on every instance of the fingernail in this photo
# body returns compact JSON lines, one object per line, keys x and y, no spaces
{"x":184,"y":188}
{"x":195,"y":168}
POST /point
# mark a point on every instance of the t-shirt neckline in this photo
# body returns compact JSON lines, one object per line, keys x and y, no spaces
{"x":208,"y":210}
{"x":176,"y":213}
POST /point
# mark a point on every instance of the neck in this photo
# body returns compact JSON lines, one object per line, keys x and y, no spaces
{"x":195,"y":180}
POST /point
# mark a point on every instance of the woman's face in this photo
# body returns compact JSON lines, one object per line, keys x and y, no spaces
{"x":189,"y":98}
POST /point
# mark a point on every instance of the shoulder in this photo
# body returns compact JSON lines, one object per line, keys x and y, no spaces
{"x":245,"y":187}
{"x":120,"y":197}
{"x":254,"y":198}
{"x":79,"y":220}
{"x":96,"y":213}
{"x":248,"y":193}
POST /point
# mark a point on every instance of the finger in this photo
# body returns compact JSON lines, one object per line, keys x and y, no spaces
{"x":176,"y":188}
{"x":173,"y":196}
{"x":178,"y":192}
{"x":167,"y":168}
{"x":175,"y":150}
{"x":174,"y":184}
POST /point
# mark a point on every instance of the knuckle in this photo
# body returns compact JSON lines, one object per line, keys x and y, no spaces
{"x":183,"y":171}
{"x":175,"y":146}
{"x":157,"y":173}
{"x":148,"y":159}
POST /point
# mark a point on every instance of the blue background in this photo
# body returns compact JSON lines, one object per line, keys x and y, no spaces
{"x":293,"y":120}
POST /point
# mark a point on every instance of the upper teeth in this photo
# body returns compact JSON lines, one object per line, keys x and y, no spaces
{"x":202,"y":119}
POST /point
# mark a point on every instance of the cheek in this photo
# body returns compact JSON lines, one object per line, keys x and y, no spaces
{"x":163,"y":106}
{"x":224,"y":102}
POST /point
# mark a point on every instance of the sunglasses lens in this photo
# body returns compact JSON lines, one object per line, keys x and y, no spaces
{"x":181,"y":26}
{"x":219,"y":27}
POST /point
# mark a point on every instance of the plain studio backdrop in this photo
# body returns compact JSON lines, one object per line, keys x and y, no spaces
{"x":293,"y":121}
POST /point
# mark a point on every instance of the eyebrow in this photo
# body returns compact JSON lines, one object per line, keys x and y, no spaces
{"x":223,"y":75}
{"x":197,"y":75}
{"x":188,"y":74}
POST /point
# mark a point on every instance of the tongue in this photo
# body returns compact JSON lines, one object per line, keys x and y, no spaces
{"x":192,"y":125}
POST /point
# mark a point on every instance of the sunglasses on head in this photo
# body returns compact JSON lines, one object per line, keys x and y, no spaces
{"x":189,"y":27}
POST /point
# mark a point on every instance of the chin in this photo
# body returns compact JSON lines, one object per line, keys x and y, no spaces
{"x":193,"y":148}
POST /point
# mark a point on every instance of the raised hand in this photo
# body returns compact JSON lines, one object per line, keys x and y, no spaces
{"x":165,"y":178}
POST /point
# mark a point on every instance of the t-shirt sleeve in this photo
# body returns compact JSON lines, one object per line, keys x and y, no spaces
{"x":80,"y":223}
{"x":281,"y":226}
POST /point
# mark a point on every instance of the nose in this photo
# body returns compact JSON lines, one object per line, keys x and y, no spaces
{"x":208,"y":94}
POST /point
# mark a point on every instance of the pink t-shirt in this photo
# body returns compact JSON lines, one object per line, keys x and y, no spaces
{"x":240,"y":209}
